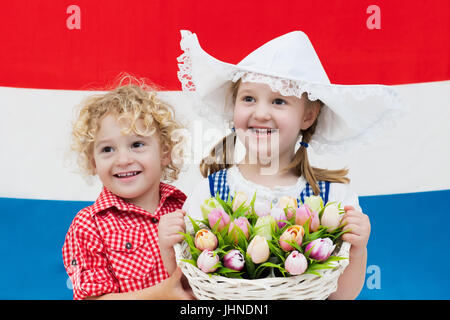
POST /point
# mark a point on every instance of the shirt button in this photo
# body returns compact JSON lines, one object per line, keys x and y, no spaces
{"x":74,"y":262}
{"x":154,"y":220}
{"x":128,"y":245}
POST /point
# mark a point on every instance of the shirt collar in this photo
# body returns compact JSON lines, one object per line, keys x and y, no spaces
{"x":107,"y":200}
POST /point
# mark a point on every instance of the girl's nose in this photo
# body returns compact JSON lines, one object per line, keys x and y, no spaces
{"x":263,"y":111}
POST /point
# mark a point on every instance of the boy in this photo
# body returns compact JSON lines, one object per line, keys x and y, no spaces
{"x":111,"y":249}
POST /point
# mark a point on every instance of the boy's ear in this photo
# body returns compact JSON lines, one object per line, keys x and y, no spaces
{"x":94,"y":167}
{"x":165,"y":157}
{"x":310,"y":115}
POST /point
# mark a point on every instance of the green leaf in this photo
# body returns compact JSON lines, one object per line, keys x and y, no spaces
{"x":190,"y":261}
{"x":250,"y":266}
{"x":277,"y":251}
{"x":194,"y":224}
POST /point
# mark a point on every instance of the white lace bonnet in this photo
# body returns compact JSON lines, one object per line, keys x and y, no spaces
{"x":352,"y":114}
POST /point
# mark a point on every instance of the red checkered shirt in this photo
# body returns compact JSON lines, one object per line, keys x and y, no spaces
{"x":112,"y":245}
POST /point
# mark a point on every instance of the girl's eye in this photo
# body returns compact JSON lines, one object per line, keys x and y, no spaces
{"x":137,"y":144}
{"x":279,"y":101}
{"x":107,"y":149}
{"x":248,"y":99}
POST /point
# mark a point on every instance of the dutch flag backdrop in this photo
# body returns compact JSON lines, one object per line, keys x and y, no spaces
{"x":55,"y":53}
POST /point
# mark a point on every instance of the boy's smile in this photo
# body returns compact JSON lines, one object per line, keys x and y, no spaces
{"x":129,"y":165}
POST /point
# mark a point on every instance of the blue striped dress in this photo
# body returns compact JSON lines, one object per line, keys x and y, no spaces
{"x":218,"y":183}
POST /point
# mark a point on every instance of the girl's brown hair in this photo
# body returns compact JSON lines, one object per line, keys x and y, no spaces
{"x":220,"y":155}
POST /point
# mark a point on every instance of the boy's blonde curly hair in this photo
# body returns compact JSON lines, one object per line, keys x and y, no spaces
{"x":133,"y":101}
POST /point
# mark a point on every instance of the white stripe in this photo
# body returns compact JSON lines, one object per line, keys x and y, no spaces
{"x":35,"y":134}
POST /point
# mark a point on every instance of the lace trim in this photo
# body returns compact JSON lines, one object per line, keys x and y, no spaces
{"x":340,"y":95}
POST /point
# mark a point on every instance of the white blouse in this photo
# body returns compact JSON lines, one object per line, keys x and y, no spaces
{"x":338,"y":192}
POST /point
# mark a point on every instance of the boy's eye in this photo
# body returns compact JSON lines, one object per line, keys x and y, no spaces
{"x":279,"y":101}
{"x":137,"y":144}
{"x":107,"y":149}
{"x":248,"y":99}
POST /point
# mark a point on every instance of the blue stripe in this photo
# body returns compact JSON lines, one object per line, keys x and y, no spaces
{"x":408,"y":245}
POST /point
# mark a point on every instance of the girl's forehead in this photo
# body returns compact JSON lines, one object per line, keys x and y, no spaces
{"x":256,"y":87}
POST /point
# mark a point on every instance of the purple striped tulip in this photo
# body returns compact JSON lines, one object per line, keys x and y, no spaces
{"x":322,"y":249}
{"x":234,"y":260}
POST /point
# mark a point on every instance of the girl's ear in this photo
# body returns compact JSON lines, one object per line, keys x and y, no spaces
{"x":310,"y":115}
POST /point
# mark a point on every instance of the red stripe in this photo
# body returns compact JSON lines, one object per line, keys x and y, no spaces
{"x":142,"y":38}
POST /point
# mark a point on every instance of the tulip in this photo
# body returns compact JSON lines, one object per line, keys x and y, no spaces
{"x":293,"y":233}
{"x":239,"y":199}
{"x":303,"y":213}
{"x":207,"y":261}
{"x":216,"y":215}
{"x":208,"y":205}
{"x":234,"y":260}
{"x":262,"y":208}
{"x":321,"y":249}
{"x":288,"y":203}
{"x":241,"y":223}
{"x":205,"y":240}
{"x":258,"y":249}
{"x":295,"y":263}
{"x":314,"y":202}
{"x":279,"y":215}
{"x":264,"y":226}
{"x":331,"y":217}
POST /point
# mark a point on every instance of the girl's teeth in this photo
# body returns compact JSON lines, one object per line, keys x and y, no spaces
{"x":262,"y":131}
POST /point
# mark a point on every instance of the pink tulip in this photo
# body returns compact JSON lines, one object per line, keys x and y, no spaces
{"x":296,"y":263}
{"x":216,"y":215}
{"x":207,"y":261}
{"x":205,"y":240}
{"x":241,"y":223}
{"x":303,"y":213}
{"x":234,"y":260}
{"x":279,"y":215}
{"x":258,"y":249}
{"x":293,"y":233}
{"x":321,"y":249}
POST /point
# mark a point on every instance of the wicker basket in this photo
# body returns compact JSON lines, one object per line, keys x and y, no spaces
{"x":301,"y":287}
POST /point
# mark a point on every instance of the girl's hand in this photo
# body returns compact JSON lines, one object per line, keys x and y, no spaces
{"x":359,"y":225}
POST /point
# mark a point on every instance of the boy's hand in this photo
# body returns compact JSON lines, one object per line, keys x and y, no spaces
{"x":168,"y":235}
{"x":169,"y":227}
{"x":172,"y":288}
{"x":359,"y":225}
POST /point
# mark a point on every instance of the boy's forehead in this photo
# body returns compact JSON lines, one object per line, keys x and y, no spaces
{"x":111,"y":123}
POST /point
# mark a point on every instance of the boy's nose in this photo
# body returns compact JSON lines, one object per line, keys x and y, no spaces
{"x":124,"y":158}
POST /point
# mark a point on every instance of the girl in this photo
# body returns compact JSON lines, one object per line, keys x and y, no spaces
{"x":280,"y":103}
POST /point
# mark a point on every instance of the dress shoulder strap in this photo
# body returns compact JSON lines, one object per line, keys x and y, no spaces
{"x":218,"y":183}
{"x":308,"y":191}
